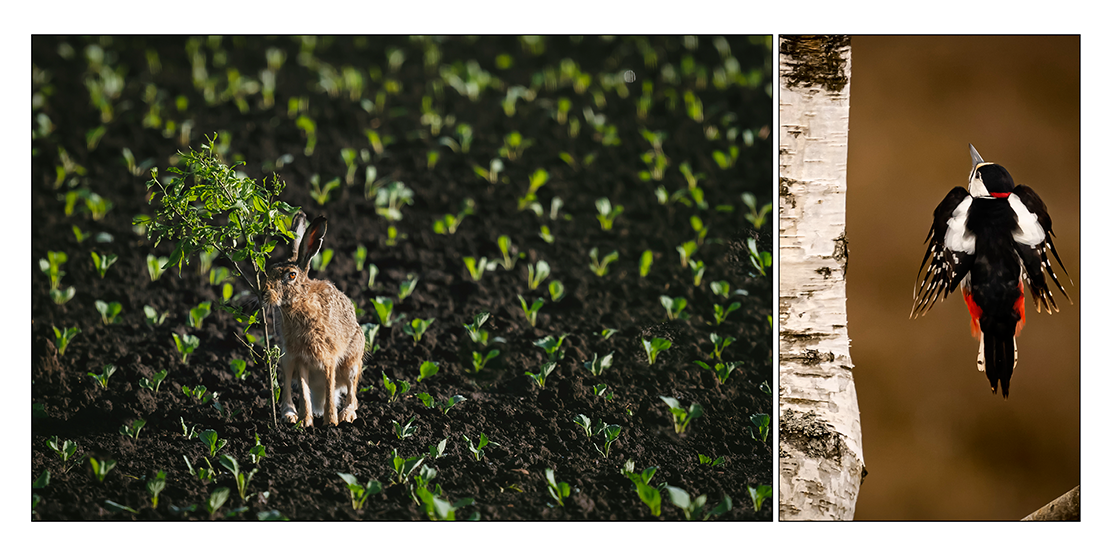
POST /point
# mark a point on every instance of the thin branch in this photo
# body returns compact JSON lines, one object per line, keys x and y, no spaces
{"x":1065,"y":508}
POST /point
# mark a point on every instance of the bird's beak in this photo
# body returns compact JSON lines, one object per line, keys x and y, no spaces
{"x":976,"y":158}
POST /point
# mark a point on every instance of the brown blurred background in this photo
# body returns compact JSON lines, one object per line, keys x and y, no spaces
{"x":937,"y":443}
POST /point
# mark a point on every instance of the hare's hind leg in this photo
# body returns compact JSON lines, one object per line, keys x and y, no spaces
{"x":348,"y":378}
{"x":306,"y":395}
{"x":289,"y":412}
{"x":330,"y":395}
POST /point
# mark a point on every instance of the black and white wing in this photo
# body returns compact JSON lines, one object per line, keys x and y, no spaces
{"x":949,"y":252}
{"x":1033,"y":237}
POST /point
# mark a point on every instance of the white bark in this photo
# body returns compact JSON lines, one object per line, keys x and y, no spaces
{"x":821,"y":463}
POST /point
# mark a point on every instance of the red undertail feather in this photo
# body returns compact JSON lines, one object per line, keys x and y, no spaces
{"x":1020,"y":306}
{"x":975,"y":311}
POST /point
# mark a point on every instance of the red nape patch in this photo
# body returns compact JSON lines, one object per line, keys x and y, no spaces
{"x":1000,"y":195}
{"x":1020,"y":306}
{"x":975,"y":311}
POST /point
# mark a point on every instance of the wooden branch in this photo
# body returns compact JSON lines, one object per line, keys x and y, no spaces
{"x":1065,"y":508}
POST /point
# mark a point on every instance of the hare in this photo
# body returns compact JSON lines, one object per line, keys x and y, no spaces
{"x":322,"y":342}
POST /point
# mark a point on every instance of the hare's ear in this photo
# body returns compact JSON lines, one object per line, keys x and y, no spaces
{"x":298,"y":229}
{"x":311,"y":242}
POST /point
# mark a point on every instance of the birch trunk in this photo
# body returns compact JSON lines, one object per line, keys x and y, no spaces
{"x":821,"y":464}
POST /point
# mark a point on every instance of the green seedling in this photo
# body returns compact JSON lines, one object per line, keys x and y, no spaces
{"x":647,"y":493}
{"x":437,"y":450}
{"x":558,"y":491}
{"x":43,"y":481}
{"x":654,"y":347}
{"x":80,"y":235}
{"x":417,"y":328}
{"x":394,"y":389}
{"x":479,"y":449}
{"x":682,"y":417}
{"x":610,"y":434}
{"x":221,"y":409}
{"x":199,"y":313}
{"x":102,"y":377}
{"x":117,"y":507}
{"x":726,"y":160}
{"x":765,"y":388}
{"x":449,"y":224}
{"x":186,"y":344}
{"x":476,"y":268}
{"x":216,"y":500}
{"x":257,"y":452}
{"x":760,"y":260}
{"x":536,"y":181}
{"x":238,"y":368}
{"x":199,"y":393}
{"x":101,"y":468}
{"x":242,"y":480}
{"x":606,"y":333}
{"x":51,"y":266}
{"x":513,"y":144}
{"x":152,"y":316}
{"x":108,"y":311}
{"x":474,"y":330}
{"x":204,"y":474}
{"x":556,"y":290}
{"x":508,"y":250}
{"x":444,"y":407}
{"x":537,"y":274}
{"x":360,"y":257}
{"x":700,"y":229}
{"x":603,"y":391}
{"x":646,"y":259}
{"x":62,"y":338}
{"x":698,"y":269}
{"x":722,"y":313}
{"x":551,"y":346}
{"x":674,"y":307}
{"x":720,"y":343}
{"x":403,"y":467}
{"x":383,"y":308}
{"x":322,"y":194}
{"x":686,"y":251}
{"x":349,"y":157}
{"x":601,"y":268}
{"x":607,"y":212}
{"x":407,"y":287}
{"x":762,"y":422}
{"x":596,"y":367}
{"x":712,"y":462}
{"x":406,"y":430}
{"x":320,"y":262}
{"x":439,"y":509}
{"x":370,"y":332}
{"x":696,"y":508}
{"x":531,"y":311}
{"x":428,"y":369}
{"x":389,"y":200}
{"x":102,"y":262}
{"x":759,"y":494}
{"x":97,"y":206}
{"x":490,"y":175}
{"x":479,"y":359}
{"x":546,"y":235}
{"x":721,"y":370}
{"x":60,"y":297}
{"x":188,"y":432}
{"x":542,"y":377}
{"x":756,"y":217}
{"x":133,"y":429}
{"x":155,"y":486}
{"x":584,"y":422}
{"x":64,"y":449}
{"x":360,"y":493}
{"x":210,"y":439}
{"x":155,"y":266}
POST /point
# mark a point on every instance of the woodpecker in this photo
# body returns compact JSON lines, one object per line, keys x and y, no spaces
{"x":990,"y":239}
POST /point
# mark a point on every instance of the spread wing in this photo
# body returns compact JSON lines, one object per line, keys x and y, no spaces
{"x":949,"y":252}
{"x":1033,"y":239}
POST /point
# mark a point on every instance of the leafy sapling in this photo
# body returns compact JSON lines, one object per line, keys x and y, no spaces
{"x":156,"y":266}
{"x":556,"y":290}
{"x":722,"y":313}
{"x":62,"y":338}
{"x":155,"y":485}
{"x":558,"y":491}
{"x":102,"y":377}
{"x":601,"y":267}
{"x":474,"y":330}
{"x":610,"y":434}
{"x":537,"y":274}
{"x":765,"y":388}
{"x":542,"y":377}
{"x":152,"y":316}
{"x":52,"y":267}
{"x":607,"y":212}
{"x":360,"y":257}
{"x":216,"y":500}
{"x":322,"y":259}
{"x":756,"y":216}
{"x":133,"y":429}
{"x":406,"y":430}
{"x":508,"y":252}
{"x":428,"y":369}
{"x":60,"y":297}
{"x":239,"y":368}
{"x":257,"y":452}
{"x":108,"y":311}
{"x":372,"y":273}
{"x":199,"y":313}
{"x":476,"y":268}
{"x":759,"y":494}
{"x":760,"y":260}
{"x":604,"y":391}
{"x":720,"y":343}
{"x":712,"y":462}
{"x":680,"y":416}
{"x":698,"y":270}
{"x":370,"y":332}
{"x":211,"y":440}
{"x":654,"y":347}
{"x":584,"y":422}
{"x":198,"y":393}
{"x":383,"y":307}
{"x":479,"y":359}
{"x":416,"y":328}
{"x":646,"y":259}
{"x":531,"y":311}
{"x":596,"y":366}
{"x":647,"y":493}
{"x":439,"y":509}
{"x":360,"y":493}
{"x":762,"y":422}
{"x":64,"y":449}
{"x":404,"y":467}
{"x":551,"y":346}
{"x":674,"y":307}
{"x":186,"y":344}
{"x":686,"y":251}
{"x":101,"y":468}
{"x":408,"y":285}
{"x":721,"y":370}
{"x":394,"y":389}
{"x":479,"y":449}
{"x":103,"y":262}
{"x":437,"y":450}
{"x":242,"y":480}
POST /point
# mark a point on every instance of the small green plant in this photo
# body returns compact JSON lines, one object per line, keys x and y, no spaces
{"x":646,"y":259}
{"x":760,"y":260}
{"x":756,"y":217}
{"x":360,"y":257}
{"x":133,"y":429}
{"x":696,"y":508}
{"x":648,"y":494}
{"x":215,"y":500}
{"x":188,"y":432}
{"x":199,"y":313}
{"x":531,"y":311}
{"x":558,"y":491}
{"x":103,"y":262}
{"x":155,"y":486}
{"x":474,"y":330}
{"x":322,"y":259}
{"x":152,"y":316}
{"x":417,"y":328}
{"x":726,"y":160}
{"x":720,"y":343}
{"x":542,"y":377}
{"x":406,"y":430}
{"x":546,"y":234}
{"x":242,"y":480}
{"x":52,"y":267}
{"x":491,"y":174}
{"x":60,"y":297}
{"x":257,"y":452}
{"x":604,"y":391}
{"x":610,"y":434}
{"x":108,"y":311}
{"x":712,"y":462}
{"x":360,"y":493}
{"x":62,"y":338}
{"x":607,"y":212}
{"x":479,"y":359}
{"x":383,"y":308}
{"x":682,"y":417}
{"x":536,"y":181}
{"x":390,"y":199}
{"x":101,"y":378}
{"x":698,"y":269}
{"x":394,"y":389}
{"x":203,"y":474}
{"x":372,"y":273}
{"x":64,"y":449}
{"x":722,"y":313}
{"x":479,"y":449}
{"x":556,"y":290}
{"x":762,"y":422}
{"x":404,"y":467}
{"x":101,"y":468}
{"x":508,"y":252}
{"x":537,"y":274}
{"x":428,"y":369}
{"x":212,"y":441}
{"x":686,"y":251}
{"x":156,"y":266}
{"x":407,"y":286}
{"x":186,"y":344}
{"x":601,"y":268}
{"x":721,"y":370}
{"x":759,"y":494}
{"x":674,"y":307}
{"x":437,"y":450}
{"x":765,"y":388}
{"x":198,"y":393}
{"x":475,"y":268}
{"x":699,"y":228}
{"x":439,"y":509}
{"x":239,"y":368}
{"x":654,"y":347}
{"x":596,"y":367}
{"x":551,"y":345}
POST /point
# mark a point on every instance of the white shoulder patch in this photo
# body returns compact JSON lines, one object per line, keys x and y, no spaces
{"x":957,"y":236}
{"x":1029,"y":231}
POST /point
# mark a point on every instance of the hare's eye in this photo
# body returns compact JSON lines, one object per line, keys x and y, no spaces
{"x":291,"y":275}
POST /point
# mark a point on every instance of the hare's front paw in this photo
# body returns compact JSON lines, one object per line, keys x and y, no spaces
{"x":347,"y":415}
{"x":290,"y":415}
{"x":308,"y":421}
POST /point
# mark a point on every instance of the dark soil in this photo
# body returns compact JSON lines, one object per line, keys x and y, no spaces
{"x":533,"y":427}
